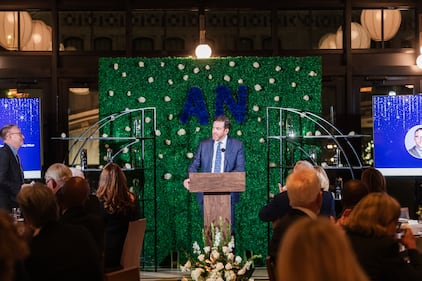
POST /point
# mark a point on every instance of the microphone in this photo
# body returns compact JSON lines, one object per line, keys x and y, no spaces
{"x":223,"y":150}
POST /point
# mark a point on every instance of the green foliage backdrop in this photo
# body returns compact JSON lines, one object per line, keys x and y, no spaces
{"x":163,"y":83}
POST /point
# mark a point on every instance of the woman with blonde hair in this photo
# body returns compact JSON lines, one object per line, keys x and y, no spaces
{"x":119,"y":206}
{"x":317,"y":250}
{"x":371,"y":228}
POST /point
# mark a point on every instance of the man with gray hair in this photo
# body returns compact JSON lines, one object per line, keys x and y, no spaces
{"x":305,"y":195}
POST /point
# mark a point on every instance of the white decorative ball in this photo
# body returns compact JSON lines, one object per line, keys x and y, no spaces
{"x":240,"y":81}
{"x":127,"y":129}
{"x":226,"y":78}
{"x":170,"y":117}
{"x":129,"y":93}
{"x":150,"y":79}
{"x":123,"y":74}
{"x":255,"y":108}
{"x":147,"y":119}
{"x":256,"y":64}
{"x":167,"y":176}
{"x":110,"y":93}
{"x":197,"y":129}
{"x":239,"y":132}
{"x":277,"y":98}
{"x":181,"y":132}
{"x":168,"y":142}
{"x":258,"y":87}
{"x":116,"y":66}
{"x":294,"y":84}
{"x":162,"y":64}
{"x":180,"y":66}
{"x":207,"y":67}
{"x":167,"y":98}
{"x":232,"y":63}
{"x":189,"y":155}
{"x":142,"y":99}
{"x":312,"y":73}
{"x":297,"y":68}
{"x":161,"y":156}
{"x":277,"y":68}
{"x":104,"y":135}
{"x":157,"y":133}
{"x":271,"y":80}
{"x":63,"y":135}
{"x":196,"y":70}
{"x":261,"y":140}
{"x":185,"y":77}
{"x":170,"y":82}
{"x":128,"y":166}
{"x":210,"y":77}
{"x":141,"y":64}
{"x":306,"y":97}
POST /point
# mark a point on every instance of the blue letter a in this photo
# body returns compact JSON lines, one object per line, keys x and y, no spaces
{"x":194,"y":106}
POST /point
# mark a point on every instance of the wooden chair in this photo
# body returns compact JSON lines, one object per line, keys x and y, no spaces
{"x":270,"y":264}
{"x":131,"y":252}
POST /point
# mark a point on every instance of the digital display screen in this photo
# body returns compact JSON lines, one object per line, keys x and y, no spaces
{"x":397,"y":138}
{"x":26,"y":114}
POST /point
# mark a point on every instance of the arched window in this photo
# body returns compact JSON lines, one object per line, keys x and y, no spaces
{"x":103,"y":44}
{"x":73,"y":44}
{"x":143,"y":44}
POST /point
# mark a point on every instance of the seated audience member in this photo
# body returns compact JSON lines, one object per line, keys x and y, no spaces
{"x":57,"y":251}
{"x":280,"y":205}
{"x":119,"y":206}
{"x":353,"y":192}
{"x":92,"y":205}
{"x":374,"y":180}
{"x":56,"y":175}
{"x":371,"y":228}
{"x":305,"y":197}
{"x":323,"y":250}
{"x":71,"y":198}
{"x":13,"y":249}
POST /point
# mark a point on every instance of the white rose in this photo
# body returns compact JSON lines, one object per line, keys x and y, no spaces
{"x":181,"y":132}
{"x":196,"y":70}
{"x":180,"y":66}
{"x":277,"y":68}
{"x":63,"y":135}
{"x":312,"y":73}
{"x":271,"y":80}
{"x":197,"y":129}
{"x":150,"y":79}
{"x":201,"y":257}
{"x":167,"y":98}
{"x":161,"y":156}
{"x":259,"y":119}
{"x":196,"y":273}
{"x":141,"y":64}
{"x":168,"y":142}
{"x":147,"y":119}
{"x":162,"y":64}
{"x":110,"y":93}
{"x":207,"y":249}
{"x":125,"y":150}
{"x":185,"y":77}
{"x":293,"y":84}
{"x":257,"y":87}
{"x":219,"y":266}
{"x":129,"y":93}
{"x":277,"y":98}
{"x":256,"y":64}
{"x":142,"y":99}
{"x":297,"y":68}
{"x":189,"y":155}
{"x":186,"y":267}
{"x":127,"y":129}
{"x":158,"y":133}
{"x":214,"y":255}
{"x":116,"y":66}
{"x":240,"y":81}
{"x":239,"y":132}
{"x":306,"y":97}
{"x":261,"y":140}
{"x":123,"y":74}
{"x":207,"y":67}
{"x":170,"y":82}
{"x":128,"y":166}
{"x":226,"y":78}
{"x":167,"y":176}
{"x":232,"y":63}
{"x":255,"y":108}
{"x":104,"y":135}
{"x":170,"y":117}
{"x":210,"y":77}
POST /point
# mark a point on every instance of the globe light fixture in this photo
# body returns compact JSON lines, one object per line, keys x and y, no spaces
{"x":382,"y":25}
{"x":419,"y":59}
{"x":203,"y":50}
{"x":12,"y":24}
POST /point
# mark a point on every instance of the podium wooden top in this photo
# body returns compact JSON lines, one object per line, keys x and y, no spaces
{"x":217,"y":182}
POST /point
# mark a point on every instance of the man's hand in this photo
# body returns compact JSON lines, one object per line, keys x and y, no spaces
{"x":186,"y":183}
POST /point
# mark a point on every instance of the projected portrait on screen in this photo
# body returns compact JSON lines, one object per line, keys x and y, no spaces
{"x":414,"y":142}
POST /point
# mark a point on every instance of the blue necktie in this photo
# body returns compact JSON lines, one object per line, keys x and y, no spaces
{"x":217,"y":163}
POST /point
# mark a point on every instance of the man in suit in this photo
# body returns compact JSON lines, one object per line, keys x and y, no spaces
{"x":305,"y":195}
{"x":11,"y":174}
{"x":231,"y":153}
{"x":416,"y":150}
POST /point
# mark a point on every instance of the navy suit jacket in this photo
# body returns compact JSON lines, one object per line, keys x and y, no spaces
{"x":10,"y":178}
{"x":234,"y":156}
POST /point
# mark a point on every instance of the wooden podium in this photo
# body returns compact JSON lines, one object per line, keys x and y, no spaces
{"x":217,"y":188}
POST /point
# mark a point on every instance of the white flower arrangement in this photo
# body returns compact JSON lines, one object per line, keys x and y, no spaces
{"x":216,"y":261}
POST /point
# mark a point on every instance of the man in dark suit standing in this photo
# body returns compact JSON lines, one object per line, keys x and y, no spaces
{"x":218,"y":154}
{"x":11,"y":174}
